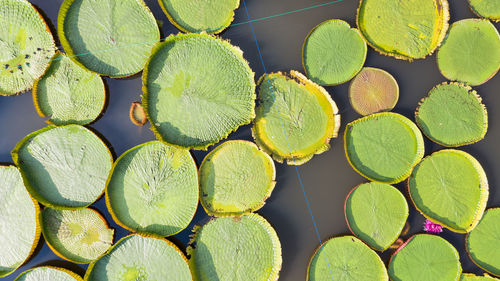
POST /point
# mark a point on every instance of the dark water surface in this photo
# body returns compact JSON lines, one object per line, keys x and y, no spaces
{"x":327,"y":177}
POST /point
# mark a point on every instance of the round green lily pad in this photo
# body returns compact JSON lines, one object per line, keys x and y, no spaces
{"x":48,"y":273}
{"x":333,"y":53}
{"x":210,"y":16}
{"x":486,"y":8}
{"x":471,"y":52}
{"x":20,"y":225}
{"x":235,"y":248}
{"x":140,"y":257}
{"x":79,"y":236}
{"x":472,"y":277}
{"x":26,"y":46}
{"x":69,"y":94}
{"x":346,"y":258}
{"x":295,"y":118}
{"x":452,"y":115}
{"x":383,"y":147}
{"x":450,"y":187}
{"x":236,"y":178}
{"x":153,"y":188}
{"x":376,"y":213}
{"x":373,"y":90}
{"x":425,"y":257}
{"x":482,"y":242}
{"x":403,"y":29}
{"x":110,"y":37}
{"x":197,"y":90}
{"x":63,"y":167}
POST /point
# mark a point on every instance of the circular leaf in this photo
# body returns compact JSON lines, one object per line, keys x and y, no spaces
{"x":48,"y":273}
{"x":486,"y":8}
{"x":472,"y":277}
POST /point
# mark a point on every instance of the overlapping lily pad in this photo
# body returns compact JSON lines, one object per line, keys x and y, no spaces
{"x":472,"y":277}
{"x":333,"y":53}
{"x":235,"y":248}
{"x":20,"y":228}
{"x":296,"y":118}
{"x":486,"y":8}
{"x":69,"y":94}
{"x":63,"y":167}
{"x":383,"y":147}
{"x":450,"y":187}
{"x":26,"y":46}
{"x":197,"y":90}
{"x":110,"y":37}
{"x":48,"y":273}
{"x":376,"y":213}
{"x":346,"y":258}
{"x":153,"y":188}
{"x":236,"y":178}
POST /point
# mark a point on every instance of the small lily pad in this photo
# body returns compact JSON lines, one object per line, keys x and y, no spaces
{"x":486,"y":8}
{"x":110,"y":37}
{"x":482,"y":242}
{"x":210,"y":16}
{"x":296,"y":118}
{"x":26,"y":46}
{"x":137,"y":114}
{"x":153,"y":188}
{"x":197,"y":90}
{"x":69,"y":94}
{"x":471,"y":52}
{"x":373,"y":90}
{"x":383,"y":147}
{"x":140,"y":257}
{"x":79,"y":236}
{"x":235,"y":248}
{"x":450,"y":187}
{"x":63,"y":167}
{"x":333,"y":53}
{"x":346,"y":258}
{"x":425,"y":257}
{"x":47,"y":273}
{"x":403,"y":29}
{"x":376,"y":213}
{"x":472,"y":277}
{"x":20,"y":229}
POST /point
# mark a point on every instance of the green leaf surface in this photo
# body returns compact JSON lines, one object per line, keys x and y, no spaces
{"x":472,"y":277}
{"x":48,"y":273}
{"x":486,"y":8}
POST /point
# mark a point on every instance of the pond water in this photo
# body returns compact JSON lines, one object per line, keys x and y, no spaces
{"x":327,"y":178}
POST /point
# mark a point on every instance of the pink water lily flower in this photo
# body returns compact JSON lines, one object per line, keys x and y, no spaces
{"x":431,"y":227}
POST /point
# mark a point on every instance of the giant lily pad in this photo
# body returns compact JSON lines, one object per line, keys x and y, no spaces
{"x":140,"y":257}
{"x":212,"y":16}
{"x":20,"y":226}
{"x":452,"y":115}
{"x":63,"y":167}
{"x":295,"y":119}
{"x":79,"y":236}
{"x":410,"y":29}
{"x":346,"y":258}
{"x":486,"y":8}
{"x":48,"y":273}
{"x":110,"y":37}
{"x":450,"y":187}
{"x":197,"y":90}
{"x":383,"y":147}
{"x":235,"y":248}
{"x":471,"y":52}
{"x":69,"y":94}
{"x":153,"y":188}
{"x":236,"y":178}
{"x":425,"y":257}
{"x":376,"y":213}
{"x":472,"y":277}
{"x":26,"y":46}
{"x":482,"y":242}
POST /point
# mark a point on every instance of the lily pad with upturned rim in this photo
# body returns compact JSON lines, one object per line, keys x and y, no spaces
{"x":333,"y":53}
{"x":486,"y":8}
{"x":383,"y":147}
{"x":63,"y":167}
{"x":472,"y":277}
{"x":79,"y":236}
{"x":376,"y":213}
{"x":26,"y":46}
{"x":137,"y":114}
{"x":153,"y":188}
{"x":20,"y":225}
{"x":69,"y":94}
{"x":450,"y":187}
{"x":48,"y":273}
{"x":346,"y":258}
{"x":235,"y":248}
{"x":197,"y":90}
{"x":296,"y":118}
